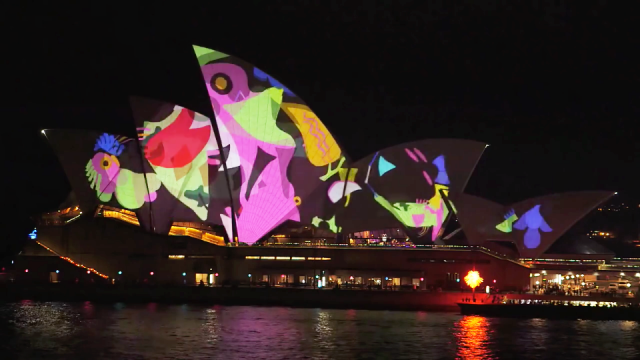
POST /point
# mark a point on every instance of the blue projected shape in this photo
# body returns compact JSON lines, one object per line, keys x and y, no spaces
{"x":261,"y":75}
{"x":384,"y":166}
{"x":110,"y":144}
{"x":443,"y":177}
{"x":33,"y":235}
{"x":533,"y":222}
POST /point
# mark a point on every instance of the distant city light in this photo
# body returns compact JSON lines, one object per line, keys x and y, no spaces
{"x":151,"y":273}
{"x":184,"y":274}
{"x":57,"y":271}
{"x":26,"y":270}
{"x":119,"y":272}
{"x":249,"y":275}
{"x":88,"y":272}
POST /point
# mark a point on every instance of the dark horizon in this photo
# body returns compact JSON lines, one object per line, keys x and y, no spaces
{"x":552,"y":89}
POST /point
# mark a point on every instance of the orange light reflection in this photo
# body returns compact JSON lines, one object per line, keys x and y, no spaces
{"x":472,"y":334}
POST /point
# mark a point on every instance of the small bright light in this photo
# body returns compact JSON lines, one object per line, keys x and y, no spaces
{"x":494,"y":281}
{"x":184,"y":274}
{"x":151,"y":273}
{"x":615,"y":193}
{"x":216,"y":274}
{"x":583,"y":284}
{"x":386,"y":278}
{"x":42,"y":131}
{"x":249,"y":275}
{"x":637,"y":274}
{"x":350,"y":277}
{"x":57,"y":271}
{"x":26,"y":270}
{"x":628,"y":284}
{"x":88,"y":272}
{"x":421,"y":279}
{"x":537,"y":282}
{"x":621,"y":274}
{"x":119,"y":272}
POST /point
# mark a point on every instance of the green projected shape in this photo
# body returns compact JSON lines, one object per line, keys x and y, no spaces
{"x":131,"y":188}
{"x":507,"y":225}
{"x":316,"y":221}
{"x":206,"y":56}
{"x":257,"y":116}
{"x":411,"y":214}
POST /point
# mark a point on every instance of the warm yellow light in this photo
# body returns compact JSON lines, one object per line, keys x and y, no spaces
{"x":473,"y":279}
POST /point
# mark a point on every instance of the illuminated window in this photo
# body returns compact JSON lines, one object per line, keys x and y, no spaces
{"x":283,"y":258}
{"x":298,"y":258}
{"x":252,"y":257}
{"x":267,"y":257}
{"x":176,"y":257}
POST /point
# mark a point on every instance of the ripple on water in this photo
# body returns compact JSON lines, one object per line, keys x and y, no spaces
{"x":153,"y":331}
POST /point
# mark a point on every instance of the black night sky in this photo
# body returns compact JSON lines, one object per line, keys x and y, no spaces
{"x":553,"y":88}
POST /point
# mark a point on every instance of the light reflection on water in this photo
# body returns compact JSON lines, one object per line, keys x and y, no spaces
{"x":30,"y":330}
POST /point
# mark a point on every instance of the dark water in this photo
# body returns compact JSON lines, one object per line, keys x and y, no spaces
{"x":31,"y":330}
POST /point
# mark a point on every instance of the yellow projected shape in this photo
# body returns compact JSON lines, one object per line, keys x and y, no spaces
{"x":320,"y":146}
{"x":473,"y":279}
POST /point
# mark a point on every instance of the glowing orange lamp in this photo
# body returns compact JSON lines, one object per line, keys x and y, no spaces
{"x":473,"y":279}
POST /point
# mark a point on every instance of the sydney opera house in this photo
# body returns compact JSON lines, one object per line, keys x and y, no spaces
{"x":260,"y":192}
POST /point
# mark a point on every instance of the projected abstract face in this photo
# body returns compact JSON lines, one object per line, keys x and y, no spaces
{"x":107,"y":177}
{"x":421,"y":213}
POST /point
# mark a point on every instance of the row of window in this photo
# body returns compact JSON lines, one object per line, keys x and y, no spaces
{"x":456,"y":261}
{"x":286,"y":258}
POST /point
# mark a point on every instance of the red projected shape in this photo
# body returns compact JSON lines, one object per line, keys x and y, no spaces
{"x":177,"y":145}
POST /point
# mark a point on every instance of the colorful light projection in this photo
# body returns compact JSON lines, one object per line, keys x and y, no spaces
{"x":281,"y":157}
{"x":533,"y":222}
{"x":107,"y":177}
{"x":423,"y":213}
{"x":180,"y":147}
{"x":532,"y":225}
{"x":507,"y":225}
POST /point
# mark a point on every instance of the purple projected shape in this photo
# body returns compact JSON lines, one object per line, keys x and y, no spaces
{"x":110,"y":144}
{"x":442,"y":177}
{"x":533,"y":222}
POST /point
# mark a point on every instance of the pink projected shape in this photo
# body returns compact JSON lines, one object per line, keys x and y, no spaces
{"x":411,"y":155}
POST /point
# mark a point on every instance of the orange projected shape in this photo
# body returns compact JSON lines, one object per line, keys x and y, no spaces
{"x":320,"y":146}
{"x":473,"y":279}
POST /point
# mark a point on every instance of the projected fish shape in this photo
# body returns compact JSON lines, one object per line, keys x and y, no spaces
{"x":533,"y":222}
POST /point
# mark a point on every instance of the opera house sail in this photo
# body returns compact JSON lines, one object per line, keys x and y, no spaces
{"x":257,"y":159}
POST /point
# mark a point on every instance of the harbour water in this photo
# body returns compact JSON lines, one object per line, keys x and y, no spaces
{"x":40,"y":330}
